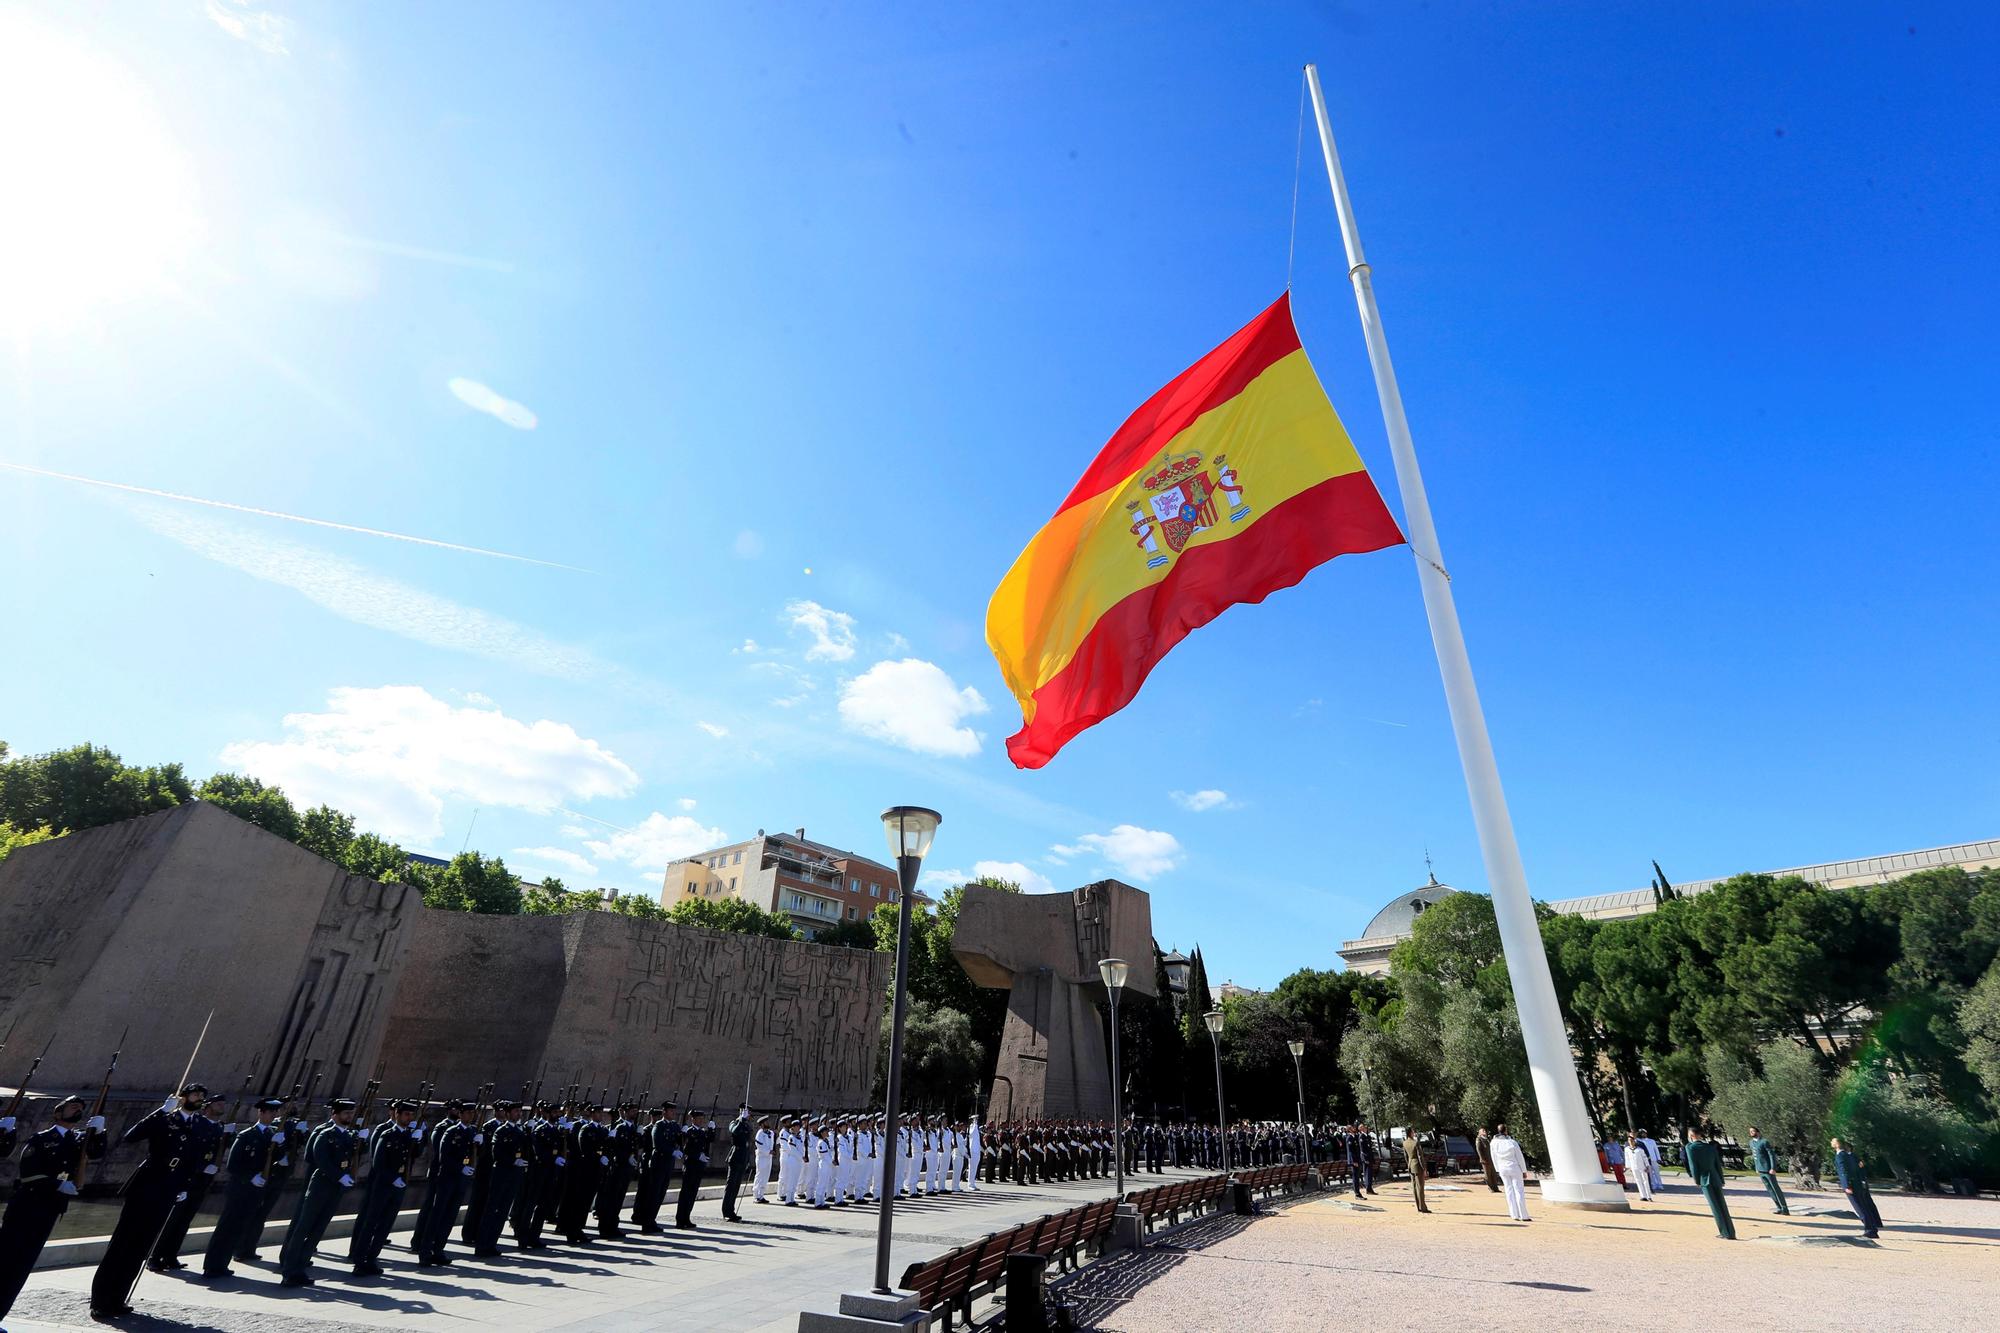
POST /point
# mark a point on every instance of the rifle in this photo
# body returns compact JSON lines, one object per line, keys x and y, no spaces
{"x":21,"y":1093}
{"x":368,"y":1092}
{"x":104,"y":1091}
{"x":200,"y":1037}
{"x":236,"y":1107}
{"x":305,"y":1106}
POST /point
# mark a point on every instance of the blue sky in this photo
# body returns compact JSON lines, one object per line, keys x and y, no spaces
{"x":817,"y":315}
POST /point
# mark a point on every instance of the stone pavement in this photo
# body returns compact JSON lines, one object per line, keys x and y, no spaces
{"x":752,"y":1277}
{"x":1326,"y":1261}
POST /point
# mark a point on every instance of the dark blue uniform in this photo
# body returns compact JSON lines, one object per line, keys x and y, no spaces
{"x":51,"y":1165}
{"x":330,"y":1156}
{"x":1854,"y":1182}
{"x":454,"y":1160}
{"x":590,"y":1154}
{"x":244,"y":1197}
{"x":209,"y":1147}
{"x":392,"y":1150}
{"x":158,"y":1183}
{"x":509,"y":1149}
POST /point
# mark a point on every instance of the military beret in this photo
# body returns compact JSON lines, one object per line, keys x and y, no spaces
{"x":271,"y":1104}
{"x":341,"y":1104}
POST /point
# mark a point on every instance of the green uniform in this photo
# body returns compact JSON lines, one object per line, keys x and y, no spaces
{"x":1704,"y":1164}
{"x":1765,"y":1160}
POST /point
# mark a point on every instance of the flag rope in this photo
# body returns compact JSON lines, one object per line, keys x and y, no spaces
{"x":1298,"y":156}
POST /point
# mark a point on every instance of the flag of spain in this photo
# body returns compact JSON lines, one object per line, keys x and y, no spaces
{"x":1231,"y":482}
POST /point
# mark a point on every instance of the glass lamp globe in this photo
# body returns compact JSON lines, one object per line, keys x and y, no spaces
{"x":1114,"y":971}
{"x":910,"y":829}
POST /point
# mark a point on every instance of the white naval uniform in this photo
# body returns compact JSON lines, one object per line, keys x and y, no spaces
{"x":908,"y":1180}
{"x":791,"y":1163}
{"x":766,"y":1141}
{"x":934,"y":1161}
{"x":972,"y":1155}
{"x":822,"y":1157}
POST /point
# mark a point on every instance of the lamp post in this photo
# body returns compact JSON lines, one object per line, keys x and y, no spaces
{"x":910,"y":829}
{"x":1298,"y":1050}
{"x":1114,"y":972}
{"x":1214,"y":1020}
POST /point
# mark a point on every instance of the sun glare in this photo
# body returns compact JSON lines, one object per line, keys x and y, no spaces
{"x":98,"y":203}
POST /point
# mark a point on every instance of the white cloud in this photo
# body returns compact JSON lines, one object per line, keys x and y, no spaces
{"x":476,"y":699}
{"x":1030,"y":879}
{"x":657,"y":842}
{"x":562,"y":857}
{"x":1059,"y":853}
{"x":797,"y":683}
{"x":390,"y":756}
{"x":748,"y":545}
{"x":897,"y":643}
{"x":749,"y":648}
{"x":248,"y":21}
{"x":1206,"y":799}
{"x":686,"y":802}
{"x":482,"y":399}
{"x":832,"y":631}
{"x":714,"y":729}
{"x":1135,"y":853}
{"x":356,"y":593}
{"x":913,"y":704}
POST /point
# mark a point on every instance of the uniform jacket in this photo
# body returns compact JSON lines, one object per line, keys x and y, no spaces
{"x":53,"y":1157}
{"x":1704,"y":1164}
{"x":1763,"y":1158}
{"x":173,"y":1152}
{"x":1848,"y":1167}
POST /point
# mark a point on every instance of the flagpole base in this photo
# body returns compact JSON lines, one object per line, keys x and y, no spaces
{"x":1595,"y":1195}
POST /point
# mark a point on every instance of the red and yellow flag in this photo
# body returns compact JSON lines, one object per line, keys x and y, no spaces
{"x":1225,"y":486}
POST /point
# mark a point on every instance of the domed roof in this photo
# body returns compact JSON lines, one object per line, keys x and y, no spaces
{"x":1400,"y":914}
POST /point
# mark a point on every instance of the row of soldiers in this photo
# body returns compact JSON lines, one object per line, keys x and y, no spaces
{"x":535,"y":1170}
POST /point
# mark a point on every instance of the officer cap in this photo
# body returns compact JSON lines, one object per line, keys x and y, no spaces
{"x":669,"y":1106}
{"x":271,"y":1104}
{"x":67,"y":1100}
{"x":628,"y":1106}
{"x":192,"y":1088}
{"x":404,"y":1104}
{"x":545,"y":1106}
{"x":505,"y":1105}
{"x":341,"y":1104}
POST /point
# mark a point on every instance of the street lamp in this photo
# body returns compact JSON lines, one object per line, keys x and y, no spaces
{"x":1298,"y":1050}
{"x":910,"y":829}
{"x":1114,"y":972}
{"x":1214,"y":1020}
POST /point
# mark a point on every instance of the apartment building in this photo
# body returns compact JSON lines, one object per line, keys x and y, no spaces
{"x":813,"y":883}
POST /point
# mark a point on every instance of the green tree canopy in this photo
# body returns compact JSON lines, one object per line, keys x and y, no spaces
{"x":737,"y":915}
{"x":247,"y":798}
{"x":469,"y":882}
{"x":83,"y":787}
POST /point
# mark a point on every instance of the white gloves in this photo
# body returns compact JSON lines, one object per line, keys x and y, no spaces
{"x":95,"y":1122}
{"x":362,"y":1134}
{"x":67,"y":1187}
{"x":209,"y":1170}
{"x":520,"y":1161}
{"x":632,"y":1162}
{"x":345,"y":1181}
{"x":230,"y":1129}
{"x":562,"y":1161}
{"x":285,"y":1160}
{"x":278,"y":1137}
{"x":258,"y":1180}
{"x":603,"y":1161}
{"x":703,"y":1159}
{"x":401,"y":1183}
{"x":7,"y":1123}
{"x":465,"y":1170}
{"x":171,"y":1104}
{"x":181,"y":1197}
{"x":479,"y":1138}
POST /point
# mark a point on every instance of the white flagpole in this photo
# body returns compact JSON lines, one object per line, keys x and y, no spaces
{"x":1578,"y":1179}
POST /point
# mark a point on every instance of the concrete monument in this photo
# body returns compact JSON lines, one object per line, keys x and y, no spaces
{"x":1044,"y":948}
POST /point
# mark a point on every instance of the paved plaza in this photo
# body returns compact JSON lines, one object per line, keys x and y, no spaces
{"x":1326,"y":1262}
{"x":754,"y":1276}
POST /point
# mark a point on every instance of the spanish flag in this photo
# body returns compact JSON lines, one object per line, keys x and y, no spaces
{"x":1225,"y":486}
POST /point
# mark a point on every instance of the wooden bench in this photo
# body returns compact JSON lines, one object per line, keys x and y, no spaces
{"x":948,"y":1285}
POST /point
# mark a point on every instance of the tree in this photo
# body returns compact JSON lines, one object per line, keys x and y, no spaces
{"x":468,"y":883}
{"x":848,"y":935}
{"x":83,"y":787}
{"x":13,"y":839}
{"x":379,"y":859}
{"x":1979,"y":1019}
{"x":1784,"y":1094}
{"x":737,"y":915}
{"x":552,"y":897}
{"x":325,"y":831}
{"x":1891,"y":1122}
{"x":247,"y":798}
{"x":1323,"y":1005}
{"x":942,"y":1063}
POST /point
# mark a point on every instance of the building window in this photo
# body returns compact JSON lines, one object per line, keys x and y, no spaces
{"x":850,"y":912}
{"x":874,"y":890}
{"x":738,"y":861}
{"x":732,"y":883}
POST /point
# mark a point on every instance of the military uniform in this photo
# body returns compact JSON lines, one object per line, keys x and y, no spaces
{"x":158,"y":1183}
{"x":288,"y":1143}
{"x":663,"y":1150}
{"x":1765,"y":1161}
{"x":210,"y":1145}
{"x":330,"y":1156}
{"x":482,"y":1174}
{"x":393,"y":1150}
{"x":243,"y":1193}
{"x":508,"y":1149}
{"x":51,"y":1166}
{"x":623,"y":1151}
{"x":454,"y":1157}
{"x":544,"y":1146}
{"x":742,"y":1152}
{"x":695,"y":1143}
{"x":1704,"y":1166}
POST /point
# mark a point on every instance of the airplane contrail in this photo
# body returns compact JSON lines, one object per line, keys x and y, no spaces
{"x":290,"y":518}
